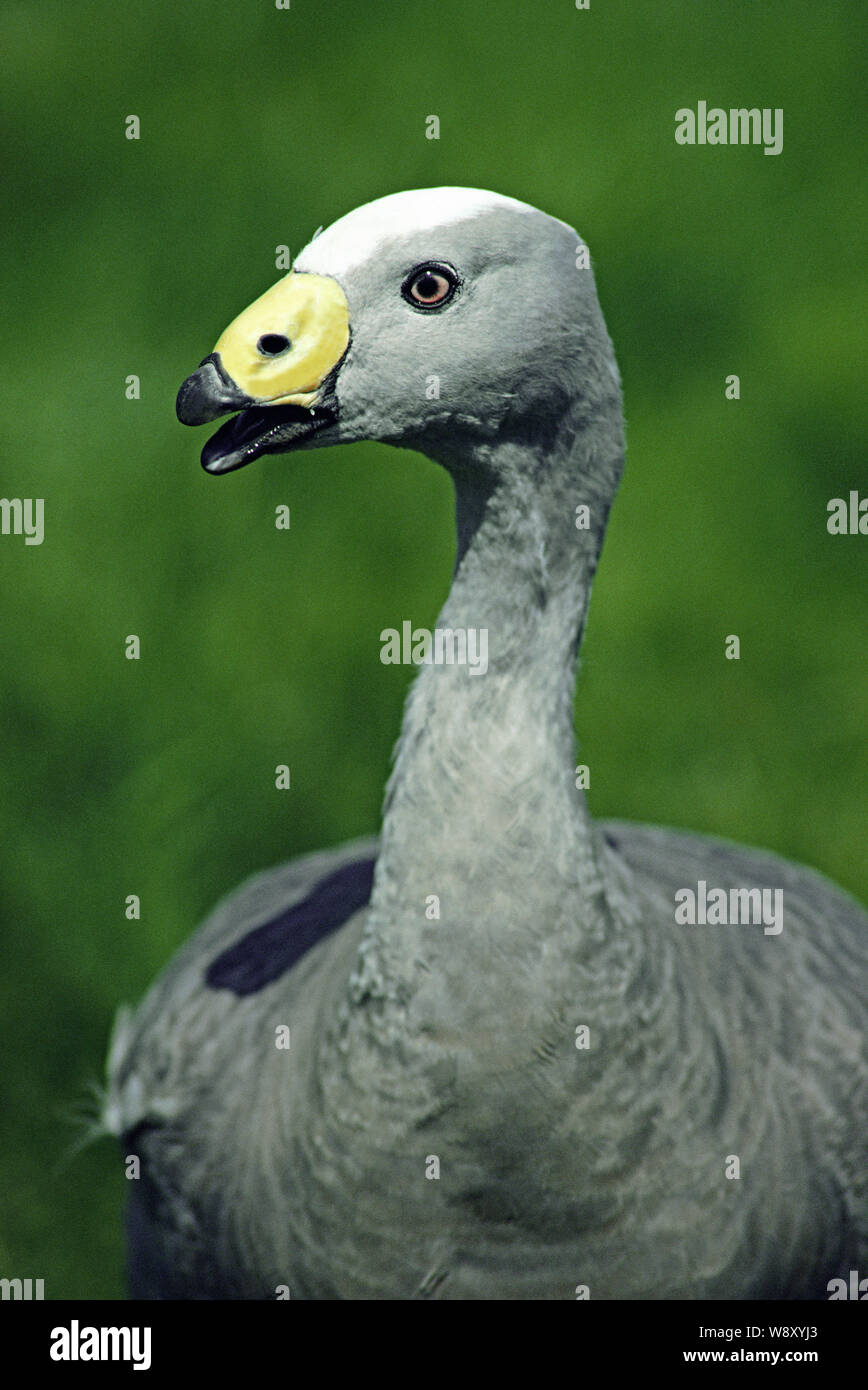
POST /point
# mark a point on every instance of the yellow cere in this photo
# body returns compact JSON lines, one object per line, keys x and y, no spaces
{"x":311,"y":311}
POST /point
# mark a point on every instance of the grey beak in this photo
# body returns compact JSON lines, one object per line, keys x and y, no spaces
{"x":209,"y":392}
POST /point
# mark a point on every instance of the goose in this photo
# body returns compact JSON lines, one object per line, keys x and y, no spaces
{"x":480,"y":1056}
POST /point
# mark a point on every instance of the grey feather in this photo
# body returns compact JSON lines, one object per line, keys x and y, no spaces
{"x":454,"y":1039}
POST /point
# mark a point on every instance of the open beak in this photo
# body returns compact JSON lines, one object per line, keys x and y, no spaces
{"x":277,"y":364}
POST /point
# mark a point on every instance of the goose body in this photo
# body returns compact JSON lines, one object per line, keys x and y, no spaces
{"x":554,"y":1084}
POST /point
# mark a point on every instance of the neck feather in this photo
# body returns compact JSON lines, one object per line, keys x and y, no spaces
{"x":482,"y":801}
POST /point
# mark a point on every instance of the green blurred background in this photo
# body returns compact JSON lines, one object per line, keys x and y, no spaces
{"x":261,"y":647}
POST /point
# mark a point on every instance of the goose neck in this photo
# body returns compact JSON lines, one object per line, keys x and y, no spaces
{"x":483,"y":796}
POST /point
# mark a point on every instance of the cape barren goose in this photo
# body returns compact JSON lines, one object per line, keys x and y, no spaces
{"x":557,"y":1085}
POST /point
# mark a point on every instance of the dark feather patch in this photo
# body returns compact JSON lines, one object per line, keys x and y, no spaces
{"x":274,"y":947}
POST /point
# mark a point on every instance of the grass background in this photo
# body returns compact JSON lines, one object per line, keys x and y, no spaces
{"x":260,"y":647}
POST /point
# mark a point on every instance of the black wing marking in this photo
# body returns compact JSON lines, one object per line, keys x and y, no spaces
{"x":274,"y":947}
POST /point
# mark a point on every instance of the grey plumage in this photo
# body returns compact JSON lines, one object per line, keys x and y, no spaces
{"x":455,"y":1038}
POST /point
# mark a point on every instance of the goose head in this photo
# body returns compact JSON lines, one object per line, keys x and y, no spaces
{"x":443,"y":320}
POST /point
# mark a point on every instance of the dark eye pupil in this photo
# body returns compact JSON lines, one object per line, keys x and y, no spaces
{"x":272,"y":344}
{"x":428,"y":285}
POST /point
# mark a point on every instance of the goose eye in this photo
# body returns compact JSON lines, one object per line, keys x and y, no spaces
{"x":272,"y":344}
{"x":430,"y":286}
